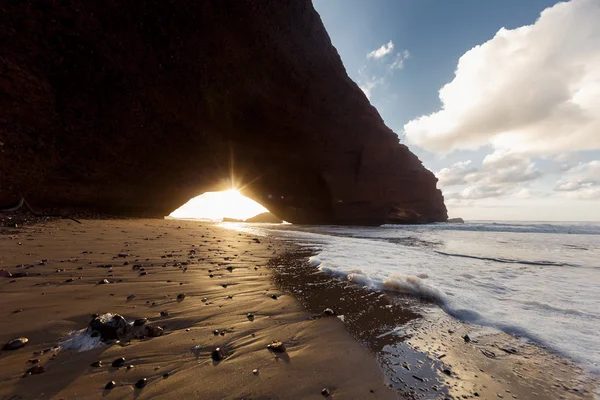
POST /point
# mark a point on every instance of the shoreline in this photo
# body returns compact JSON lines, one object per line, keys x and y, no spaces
{"x":423,"y":350}
{"x":65,"y":262}
{"x":382,"y":344}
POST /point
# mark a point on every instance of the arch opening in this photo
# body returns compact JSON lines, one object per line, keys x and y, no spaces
{"x":226,"y":205}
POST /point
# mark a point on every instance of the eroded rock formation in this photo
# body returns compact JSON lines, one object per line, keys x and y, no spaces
{"x":134,"y":107}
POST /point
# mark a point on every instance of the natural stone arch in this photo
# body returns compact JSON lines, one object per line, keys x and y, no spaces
{"x":131,"y":110}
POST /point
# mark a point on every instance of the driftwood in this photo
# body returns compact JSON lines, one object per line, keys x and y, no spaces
{"x":23,"y":203}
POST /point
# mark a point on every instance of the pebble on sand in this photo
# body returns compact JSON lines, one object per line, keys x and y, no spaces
{"x":16,"y":343}
{"x":119,"y":362}
{"x":110,"y":385}
{"x":154,"y":331}
{"x":328,"y":312}
{"x":325,"y":392}
{"x":141,"y":383}
{"x":277,"y":347}
{"x":217,"y":354}
{"x":96,"y":364}
{"x":36,"y":369}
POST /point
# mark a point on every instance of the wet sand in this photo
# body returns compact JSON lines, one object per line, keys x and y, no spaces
{"x":427,"y":354}
{"x":65,"y":261}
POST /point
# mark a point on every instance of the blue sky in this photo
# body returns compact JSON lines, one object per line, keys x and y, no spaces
{"x":517,"y":136}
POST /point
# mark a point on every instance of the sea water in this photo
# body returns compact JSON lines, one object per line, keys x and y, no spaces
{"x":539,"y":281}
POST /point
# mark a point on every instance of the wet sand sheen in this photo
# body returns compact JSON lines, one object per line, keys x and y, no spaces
{"x":60,"y":294}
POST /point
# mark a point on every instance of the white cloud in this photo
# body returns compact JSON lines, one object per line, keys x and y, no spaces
{"x":581,"y":182}
{"x":398,"y":62}
{"x":500,"y":174}
{"x":534,"y":89}
{"x":368,"y":83}
{"x":382,"y":51}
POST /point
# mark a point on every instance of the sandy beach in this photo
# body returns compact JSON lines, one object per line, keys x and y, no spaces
{"x":65,"y":261}
{"x":210,"y":287}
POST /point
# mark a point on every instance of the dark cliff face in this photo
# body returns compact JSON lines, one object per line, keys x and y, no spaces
{"x":134,"y":107}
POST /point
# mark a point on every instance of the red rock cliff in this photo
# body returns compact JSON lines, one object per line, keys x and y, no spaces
{"x":134,"y":107}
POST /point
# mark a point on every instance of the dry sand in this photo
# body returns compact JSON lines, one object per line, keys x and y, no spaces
{"x":46,"y":305}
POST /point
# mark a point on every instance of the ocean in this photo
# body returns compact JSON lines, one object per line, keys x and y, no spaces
{"x":537,"y":281}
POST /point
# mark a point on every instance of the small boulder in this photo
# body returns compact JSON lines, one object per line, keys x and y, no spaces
{"x":140,"y":321}
{"x":110,"y":385}
{"x":109,"y":326}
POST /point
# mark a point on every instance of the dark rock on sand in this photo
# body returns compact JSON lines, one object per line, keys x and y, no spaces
{"x":325,"y":392}
{"x":328,"y":312}
{"x":466,"y":338}
{"x":217,"y":354}
{"x":154,"y":331}
{"x":5,"y":274}
{"x":16,"y":343}
{"x":141,"y":383}
{"x":140,"y":321}
{"x":96,"y":364}
{"x":36,"y":369}
{"x":164,"y":313}
{"x":119,"y":362}
{"x":109,"y":326}
{"x":110,"y":385}
{"x":103,"y":282}
{"x":19,"y":274}
{"x":181,"y":296}
{"x":265,"y":217}
{"x":277,"y":347}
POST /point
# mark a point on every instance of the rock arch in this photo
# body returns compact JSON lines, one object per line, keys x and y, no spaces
{"x":121,"y":108}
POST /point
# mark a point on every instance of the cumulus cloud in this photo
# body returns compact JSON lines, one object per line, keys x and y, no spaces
{"x":581,"y":182}
{"x":534,"y":89}
{"x":500,"y":174}
{"x":382,"y":51}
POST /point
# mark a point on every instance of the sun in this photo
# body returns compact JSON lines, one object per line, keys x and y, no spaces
{"x":218,"y":205}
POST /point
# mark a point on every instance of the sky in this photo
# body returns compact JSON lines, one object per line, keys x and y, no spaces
{"x":499,"y":98}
